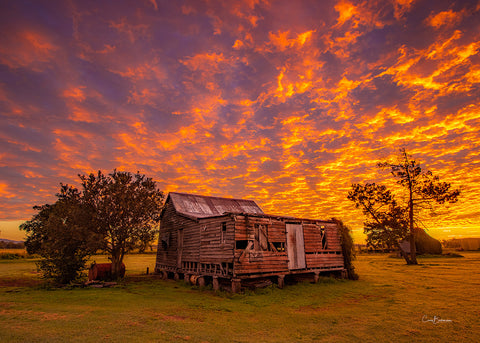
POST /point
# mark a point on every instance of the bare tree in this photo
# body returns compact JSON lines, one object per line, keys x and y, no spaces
{"x":392,"y":219}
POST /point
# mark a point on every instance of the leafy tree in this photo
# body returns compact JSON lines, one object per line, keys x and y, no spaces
{"x":387,"y":220}
{"x":146,"y":240}
{"x":126,"y":208}
{"x":385,"y":223}
{"x":62,"y":235}
{"x":115,"y":213}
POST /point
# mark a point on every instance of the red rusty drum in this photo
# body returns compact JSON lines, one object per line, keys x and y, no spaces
{"x":103,"y":271}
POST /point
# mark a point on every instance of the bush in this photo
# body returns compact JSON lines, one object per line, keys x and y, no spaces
{"x":347,"y":249}
{"x":58,"y":234}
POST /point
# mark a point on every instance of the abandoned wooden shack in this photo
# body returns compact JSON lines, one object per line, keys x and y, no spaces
{"x":232,"y":242}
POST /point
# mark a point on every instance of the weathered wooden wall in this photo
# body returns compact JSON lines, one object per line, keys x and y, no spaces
{"x":255,"y":260}
{"x":217,"y":245}
{"x":318,"y":256}
{"x":190,"y":249}
{"x":275,"y":260}
{"x":167,"y":256}
{"x":243,"y":246}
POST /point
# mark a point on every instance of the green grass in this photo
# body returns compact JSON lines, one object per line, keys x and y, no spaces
{"x":387,"y":305}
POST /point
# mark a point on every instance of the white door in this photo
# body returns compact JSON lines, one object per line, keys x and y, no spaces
{"x":295,"y":246}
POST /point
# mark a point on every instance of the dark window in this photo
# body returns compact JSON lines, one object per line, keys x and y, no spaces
{"x":223,"y":237}
{"x":165,"y":240}
{"x":279,"y":246}
{"x":323,"y":235}
{"x":241,"y":245}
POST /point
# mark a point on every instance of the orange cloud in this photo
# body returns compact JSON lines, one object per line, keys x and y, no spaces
{"x":154,"y":4}
{"x":281,"y":40}
{"x":447,"y":55}
{"x":359,"y":14}
{"x":75,"y":97}
{"x":132,"y":31}
{"x":346,"y":11}
{"x":152,"y":70}
{"x":281,"y":101}
{"x":76,"y":93}
{"x":77,"y":150}
{"x":4,"y":192}
{"x":27,"y":49}
{"x":402,"y":7}
{"x":145,"y":96}
{"x":447,"y":19}
{"x":204,"y":61}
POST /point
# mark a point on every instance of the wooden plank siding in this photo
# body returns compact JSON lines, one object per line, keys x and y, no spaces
{"x":317,"y":255}
{"x":170,"y":223}
{"x":167,"y":256}
{"x":216,"y":245}
{"x":242,"y":245}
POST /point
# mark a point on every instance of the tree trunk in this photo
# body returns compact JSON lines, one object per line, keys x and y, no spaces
{"x":413,"y":251}
{"x":117,"y":260}
{"x":403,"y":253}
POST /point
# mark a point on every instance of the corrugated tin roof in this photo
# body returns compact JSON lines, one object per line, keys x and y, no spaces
{"x":201,"y":206}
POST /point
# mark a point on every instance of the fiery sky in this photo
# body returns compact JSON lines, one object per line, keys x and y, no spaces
{"x":284,"y":102}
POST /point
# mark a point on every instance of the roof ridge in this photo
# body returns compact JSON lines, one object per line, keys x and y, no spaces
{"x":205,"y":205}
{"x":210,"y":196}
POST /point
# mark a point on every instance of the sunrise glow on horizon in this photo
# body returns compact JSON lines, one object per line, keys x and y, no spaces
{"x":283,"y":102}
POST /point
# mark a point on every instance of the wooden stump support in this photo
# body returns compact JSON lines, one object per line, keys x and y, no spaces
{"x":201,"y":281}
{"x":236,"y":285}
{"x":216,"y":285}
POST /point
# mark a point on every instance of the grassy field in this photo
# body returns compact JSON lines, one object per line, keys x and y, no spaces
{"x":387,"y":304}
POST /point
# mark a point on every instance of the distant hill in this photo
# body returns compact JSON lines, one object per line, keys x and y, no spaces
{"x":9,"y":241}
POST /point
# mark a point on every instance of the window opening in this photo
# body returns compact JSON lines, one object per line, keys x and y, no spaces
{"x":261,"y":239}
{"x":223,"y":236}
{"x":241,"y":245}
{"x":323,"y":235}
{"x":165,"y":240}
{"x":279,"y":246}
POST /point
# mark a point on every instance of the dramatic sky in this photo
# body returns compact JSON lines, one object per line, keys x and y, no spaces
{"x":283,"y":102}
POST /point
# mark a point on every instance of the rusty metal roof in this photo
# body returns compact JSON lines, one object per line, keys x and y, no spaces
{"x":201,"y":206}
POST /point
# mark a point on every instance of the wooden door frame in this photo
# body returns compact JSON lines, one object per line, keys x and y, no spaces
{"x":295,"y":253}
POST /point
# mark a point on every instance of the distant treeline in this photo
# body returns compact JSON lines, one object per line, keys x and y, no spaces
{"x":462,"y":243}
{"x":6,"y":244}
